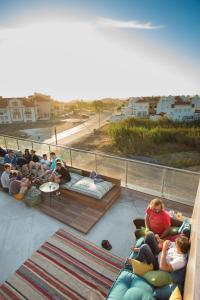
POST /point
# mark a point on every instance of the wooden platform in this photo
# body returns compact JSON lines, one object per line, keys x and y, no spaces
{"x":79,"y":216}
{"x":100,"y":204}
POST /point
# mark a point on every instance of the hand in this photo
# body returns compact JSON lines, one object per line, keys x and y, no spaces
{"x":166,"y":244}
{"x":134,"y":249}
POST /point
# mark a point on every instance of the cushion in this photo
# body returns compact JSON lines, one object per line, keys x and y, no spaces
{"x":76,"y":171}
{"x":185,"y":228}
{"x":176,"y":294}
{"x":87,"y":187}
{"x":140,"y":268}
{"x":74,"y":178}
{"x":129,"y":286}
{"x":19,"y":197}
{"x":178,"y":276}
{"x":158,"y":278}
{"x":173,"y":230}
{"x":163,"y":293}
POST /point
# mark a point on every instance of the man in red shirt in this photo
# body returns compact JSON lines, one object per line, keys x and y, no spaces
{"x":157,"y":218}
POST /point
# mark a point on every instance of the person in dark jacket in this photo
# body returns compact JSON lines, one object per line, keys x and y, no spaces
{"x":61,"y":175}
{"x":10,"y":158}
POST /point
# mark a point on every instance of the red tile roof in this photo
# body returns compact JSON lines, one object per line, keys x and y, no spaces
{"x":3,"y":103}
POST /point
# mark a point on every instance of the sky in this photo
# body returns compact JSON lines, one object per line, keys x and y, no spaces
{"x":85,"y":49}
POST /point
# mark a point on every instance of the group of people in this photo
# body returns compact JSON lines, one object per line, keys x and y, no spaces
{"x":23,"y":171}
{"x":157,"y":249}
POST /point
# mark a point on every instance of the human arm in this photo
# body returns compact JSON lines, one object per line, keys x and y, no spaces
{"x":147,"y":223}
{"x":165,"y":233}
{"x":164,"y":265}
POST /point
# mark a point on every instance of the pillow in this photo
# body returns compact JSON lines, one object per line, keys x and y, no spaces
{"x":176,"y":294}
{"x":185,"y":228}
{"x":140,"y":268}
{"x":173,"y":230}
{"x":163,"y":293}
{"x":158,"y":278}
{"x":19,"y":197}
{"x":178,"y":276}
{"x":76,"y":171}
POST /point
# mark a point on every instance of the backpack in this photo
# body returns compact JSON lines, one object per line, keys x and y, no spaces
{"x":33,"y":197}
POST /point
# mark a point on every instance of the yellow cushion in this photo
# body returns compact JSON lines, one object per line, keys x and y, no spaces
{"x":19,"y":197}
{"x":140,"y":268}
{"x":176,"y":295}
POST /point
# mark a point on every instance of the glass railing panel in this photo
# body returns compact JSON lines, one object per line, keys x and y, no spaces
{"x":2,"y":141}
{"x":83,"y":160}
{"x":23,"y":144}
{"x":111,"y":167}
{"x":145,"y":178}
{"x":62,"y":152}
{"x":41,"y":148}
{"x":11,"y":143}
{"x":180,"y":186}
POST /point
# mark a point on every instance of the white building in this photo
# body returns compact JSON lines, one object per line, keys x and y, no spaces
{"x":176,"y":109}
{"x":137,"y":107}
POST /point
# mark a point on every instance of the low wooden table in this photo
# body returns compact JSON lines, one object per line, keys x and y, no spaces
{"x":49,"y":187}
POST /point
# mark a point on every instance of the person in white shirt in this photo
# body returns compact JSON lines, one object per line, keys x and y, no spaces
{"x":45,"y":162}
{"x":172,"y":257}
{"x":5,"y":177}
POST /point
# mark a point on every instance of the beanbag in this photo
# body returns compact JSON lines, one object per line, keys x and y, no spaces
{"x":158,"y":278}
{"x":165,"y":292}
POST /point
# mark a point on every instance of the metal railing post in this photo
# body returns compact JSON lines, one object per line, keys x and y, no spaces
{"x":17,"y":144}
{"x":5,"y":142}
{"x":163,"y":183}
{"x":32,"y":145}
{"x":95,"y":156}
{"x":70,"y":156}
{"x":126,"y":174}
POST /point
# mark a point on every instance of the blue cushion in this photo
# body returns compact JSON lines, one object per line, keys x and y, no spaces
{"x":129,"y":286}
{"x":165,"y":292}
{"x":185,"y":228}
{"x":178,"y":276}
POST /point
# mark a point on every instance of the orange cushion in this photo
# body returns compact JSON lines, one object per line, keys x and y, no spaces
{"x":19,"y":197}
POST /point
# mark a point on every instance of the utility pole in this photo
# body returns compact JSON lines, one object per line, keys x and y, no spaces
{"x":99,"y":118}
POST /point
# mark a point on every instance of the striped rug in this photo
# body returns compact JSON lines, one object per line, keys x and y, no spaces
{"x":65,"y":267}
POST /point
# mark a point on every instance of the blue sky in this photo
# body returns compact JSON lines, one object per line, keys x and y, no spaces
{"x":167,"y":30}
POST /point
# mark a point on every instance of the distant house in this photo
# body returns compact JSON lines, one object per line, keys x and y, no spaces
{"x":176,"y":108}
{"x":15,"y":110}
{"x":137,"y":107}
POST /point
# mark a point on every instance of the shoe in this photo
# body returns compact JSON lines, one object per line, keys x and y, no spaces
{"x":106,"y":245}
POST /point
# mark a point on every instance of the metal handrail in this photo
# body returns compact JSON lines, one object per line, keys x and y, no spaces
{"x":106,"y":155}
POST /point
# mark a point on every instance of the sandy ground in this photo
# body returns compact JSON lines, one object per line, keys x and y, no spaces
{"x":39,"y":131}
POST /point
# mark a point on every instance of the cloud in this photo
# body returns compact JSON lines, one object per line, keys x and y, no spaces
{"x":126,"y":24}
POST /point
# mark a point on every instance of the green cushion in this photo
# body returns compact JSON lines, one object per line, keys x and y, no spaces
{"x":158,"y":278}
{"x":173,"y":230}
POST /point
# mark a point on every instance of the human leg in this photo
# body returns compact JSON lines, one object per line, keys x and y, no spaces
{"x":150,"y":240}
{"x":146,"y":255}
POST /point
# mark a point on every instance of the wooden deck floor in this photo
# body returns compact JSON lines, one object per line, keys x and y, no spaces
{"x":82,"y":217}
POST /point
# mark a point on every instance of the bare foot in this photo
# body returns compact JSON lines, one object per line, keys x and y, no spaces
{"x":134,"y":249}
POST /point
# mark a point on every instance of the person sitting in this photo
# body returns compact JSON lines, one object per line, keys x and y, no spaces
{"x":10,"y":158}
{"x":35,"y":162}
{"x":54,"y":159}
{"x":17,"y":186}
{"x":157,"y":220}
{"x":5,"y":177}
{"x":27,"y":156}
{"x":172,"y":257}
{"x":61,"y":174}
{"x":45,"y":162}
{"x":3,"y":151}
